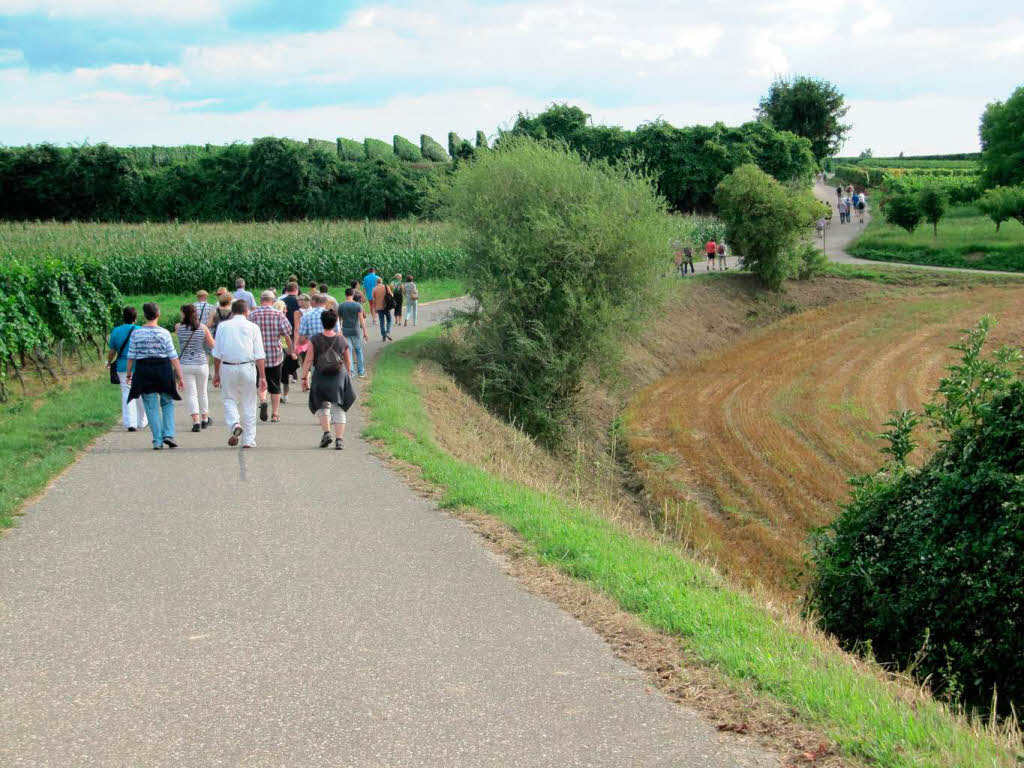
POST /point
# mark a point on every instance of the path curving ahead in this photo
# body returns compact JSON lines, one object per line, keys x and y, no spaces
{"x":291,"y":606}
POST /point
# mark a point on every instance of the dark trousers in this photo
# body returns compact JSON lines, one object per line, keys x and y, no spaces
{"x":385,"y":322}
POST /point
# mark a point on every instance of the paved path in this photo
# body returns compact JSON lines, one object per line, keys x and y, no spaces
{"x":291,"y":606}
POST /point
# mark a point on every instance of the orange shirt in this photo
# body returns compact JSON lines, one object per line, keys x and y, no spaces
{"x":378,"y":297}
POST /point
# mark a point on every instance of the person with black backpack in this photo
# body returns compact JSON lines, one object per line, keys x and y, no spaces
{"x":330,"y":389}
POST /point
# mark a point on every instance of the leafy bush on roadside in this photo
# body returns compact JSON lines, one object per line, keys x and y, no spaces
{"x":551,"y":241}
{"x":923,"y":565}
{"x":764,"y":221}
{"x":810,"y":261}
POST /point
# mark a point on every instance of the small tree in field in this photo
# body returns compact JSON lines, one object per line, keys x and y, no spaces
{"x":933,"y":206}
{"x":903,"y":210}
{"x":552,"y":243}
{"x":1002,"y":204}
{"x":764,"y":222}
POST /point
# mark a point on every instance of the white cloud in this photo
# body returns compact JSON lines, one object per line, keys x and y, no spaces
{"x":10,"y":56}
{"x":146,"y":75}
{"x":171,"y":10}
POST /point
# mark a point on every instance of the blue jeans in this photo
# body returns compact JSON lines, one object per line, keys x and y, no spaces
{"x":385,"y":322}
{"x":160,"y":412}
{"x":355,"y":348}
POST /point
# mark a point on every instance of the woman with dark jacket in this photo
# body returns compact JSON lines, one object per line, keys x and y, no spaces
{"x":331,"y":393}
{"x":153,"y":366}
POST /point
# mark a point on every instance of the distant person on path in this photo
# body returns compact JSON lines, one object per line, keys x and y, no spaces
{"x":839,"y":192}
{"x":412,"y":299}
{"x":241,"y":293}
{"x":204,"y":309}
{"x":396,"y":291}
{"x":330,"y":390}
{"x":291,"y":279}
{"x":384,"y":303}
{"x":843,"y":211}
{"x":194,"y":339}
{"x":819,"y":226}
{"x":133,"y":415}
{"x":722,"y":264}
{"x":274,"y":327}
{"x":369,"y":283}
{"x":710,"y":251}
{"x":688,"y":260}
{"x":353,"y":328}
{"x":862,"y":205}
{"x":239,"y":361}
{"x":223,"y":311}
{"x":153,"y":366}
{"x":677,"y":256}
{"x":292,"y":308}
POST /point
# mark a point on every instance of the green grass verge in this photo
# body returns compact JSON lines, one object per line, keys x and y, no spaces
{"x":40,"y":436}
{"x":725,"y":628}
{"x":915,"y":277}
{"x":965,"y":239}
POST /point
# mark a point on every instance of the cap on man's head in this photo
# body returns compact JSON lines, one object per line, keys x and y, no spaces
{"x":268,"y":296}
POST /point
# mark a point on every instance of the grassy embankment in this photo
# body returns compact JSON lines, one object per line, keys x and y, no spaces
{"x":869,"y":717}
{"x":43,"y":430}
{"x":965,"y":238}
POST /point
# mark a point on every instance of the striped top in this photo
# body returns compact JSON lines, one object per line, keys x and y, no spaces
{"x":151,"y":341}
{"x":192,"y":350}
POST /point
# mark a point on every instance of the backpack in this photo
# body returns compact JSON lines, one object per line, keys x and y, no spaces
{"x":331,"y":359}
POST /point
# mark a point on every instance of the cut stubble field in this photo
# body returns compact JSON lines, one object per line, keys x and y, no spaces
{"x":747,"y":451}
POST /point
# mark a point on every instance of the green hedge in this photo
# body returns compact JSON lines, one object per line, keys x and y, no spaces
{"x":431,"y":150}
{"x":349,"y":149}
{"x":481,"y":140}
{"x":454,"y":142}
{"x":323,"y":145}
{"x":1001,"y":258}
{"x":406,"y":150}
{"x":378,"y":150}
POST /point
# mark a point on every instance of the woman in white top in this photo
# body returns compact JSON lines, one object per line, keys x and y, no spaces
{"x":194,"y":339}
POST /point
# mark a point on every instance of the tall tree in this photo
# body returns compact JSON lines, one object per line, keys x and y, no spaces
{"x":1002,"y":141}
{"x":809,"y":107}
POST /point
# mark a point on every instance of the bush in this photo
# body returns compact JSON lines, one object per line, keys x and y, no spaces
{"x":1002,"y":141}
{"x":454,"y":142}
{"x":764,"y":222}
{"x":349,"y":149}
{"x":406,"y":150}
{"x":810,"y":261}
{"x":922,"y":565}
{"x":378,"y":150}
{"x":1002,"y":204}
{"x":431,"y":150}
{"x":481,"y":140}
{"x":903,"y":210}
{"x":551,"y":240}
{"x":932,"y":202}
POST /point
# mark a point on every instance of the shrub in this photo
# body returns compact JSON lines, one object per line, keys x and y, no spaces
{"x":903,"y":210}
{"x":932,"y":202}
{"x":378,"y":150}
{"x":481,"y":140}
{"x":454,"y":142}
{"x":1002,"y":204}
{"x":922,"y":565}
{"x":406,"y":150}
{"x":764,"y":222}
{"x":810,"y":261}
{"x":1002,"y":141}
{"x":431,"y":150}
{"x":550,"y":241}
{"x":349,"y":149}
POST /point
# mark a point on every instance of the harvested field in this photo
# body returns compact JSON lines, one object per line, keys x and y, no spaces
{"x":748,"y":450}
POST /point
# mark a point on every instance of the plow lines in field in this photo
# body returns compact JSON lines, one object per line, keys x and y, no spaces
{"x":749,"y":450}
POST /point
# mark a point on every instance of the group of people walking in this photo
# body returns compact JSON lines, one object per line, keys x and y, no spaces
{"x":257,"y":349}
{"x":713,"y":252}
{"x":850,"y":203}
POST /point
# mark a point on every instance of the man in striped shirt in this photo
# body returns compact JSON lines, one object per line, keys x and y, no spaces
{"x":274,"y":326}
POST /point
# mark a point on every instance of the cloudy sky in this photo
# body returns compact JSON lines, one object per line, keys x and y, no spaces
{"x":916,"y":73}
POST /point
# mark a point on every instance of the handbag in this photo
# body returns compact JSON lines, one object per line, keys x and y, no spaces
{"x":112,"y":365}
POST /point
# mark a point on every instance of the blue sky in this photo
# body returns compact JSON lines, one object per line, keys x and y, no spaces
{"x":917,"y":74}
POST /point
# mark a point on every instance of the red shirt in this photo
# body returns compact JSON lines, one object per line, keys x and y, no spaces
{"x":710,"y":247}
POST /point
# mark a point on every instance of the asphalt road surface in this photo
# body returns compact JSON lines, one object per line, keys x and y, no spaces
{"x":290,"y":606}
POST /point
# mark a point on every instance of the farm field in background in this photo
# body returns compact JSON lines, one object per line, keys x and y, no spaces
{"x":749,"y":450}
{"x":178,"y":257}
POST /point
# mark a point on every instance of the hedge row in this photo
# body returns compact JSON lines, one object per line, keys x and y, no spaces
{"x":432,"y":151}
{"x":406,"y":150}
{"x":377,"y":149}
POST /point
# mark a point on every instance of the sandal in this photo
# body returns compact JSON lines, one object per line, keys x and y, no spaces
{"x":275,"y":418}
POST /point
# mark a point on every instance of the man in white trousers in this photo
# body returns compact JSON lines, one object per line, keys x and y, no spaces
{"x":240,"y":363}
